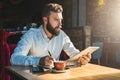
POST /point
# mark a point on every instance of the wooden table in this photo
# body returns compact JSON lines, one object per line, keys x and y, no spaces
{"x":84,"y":72}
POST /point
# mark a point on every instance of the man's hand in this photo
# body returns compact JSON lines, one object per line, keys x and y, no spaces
{"x":47,"y":61}
{"x":84,"y":59}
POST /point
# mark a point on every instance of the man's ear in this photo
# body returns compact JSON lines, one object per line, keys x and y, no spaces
{"x":45,"y":20}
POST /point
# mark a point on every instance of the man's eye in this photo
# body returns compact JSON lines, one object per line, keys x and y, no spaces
{"x":57,"y":19}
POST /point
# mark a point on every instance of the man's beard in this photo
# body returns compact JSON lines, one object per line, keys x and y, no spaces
{"x":53,"y":31}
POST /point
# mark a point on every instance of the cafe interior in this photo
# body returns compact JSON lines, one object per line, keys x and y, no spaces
{"x":86,"y":22}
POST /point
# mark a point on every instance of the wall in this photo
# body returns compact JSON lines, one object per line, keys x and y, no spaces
{"x":74,"y":13}
{"x":103,"y":16}
{"x":19,"y":14}
{"x":27,"y":11}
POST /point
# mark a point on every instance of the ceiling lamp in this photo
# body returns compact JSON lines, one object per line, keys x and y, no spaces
{"x":101,"y":2}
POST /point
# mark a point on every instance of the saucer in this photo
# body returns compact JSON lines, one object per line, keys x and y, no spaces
{"x":60,"y":71}
{"x":46,"y":67}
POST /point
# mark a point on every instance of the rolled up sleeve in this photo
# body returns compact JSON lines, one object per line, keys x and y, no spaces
{"x":21,"y":52}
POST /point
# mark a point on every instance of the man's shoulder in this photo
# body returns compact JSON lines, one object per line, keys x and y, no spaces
{"x":63,"y":32}
{"x":31,"y":31}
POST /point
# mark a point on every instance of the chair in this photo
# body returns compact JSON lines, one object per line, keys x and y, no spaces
{"x":7,"y":45}
{"x":97,"y":54}
{"x":4,"y":54}
{"x":63,"y":56}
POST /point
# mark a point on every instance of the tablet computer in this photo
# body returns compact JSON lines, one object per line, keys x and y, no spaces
{"x":90,"y":50}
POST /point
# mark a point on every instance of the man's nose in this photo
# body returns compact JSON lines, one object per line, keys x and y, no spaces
{"x":60,"y":23}
{"x":60,"y":26}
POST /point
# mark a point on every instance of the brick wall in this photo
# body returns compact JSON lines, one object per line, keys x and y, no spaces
{"x":104,"y":19}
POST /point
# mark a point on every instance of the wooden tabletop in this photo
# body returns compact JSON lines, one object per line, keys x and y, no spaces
{"x":84,"y":72}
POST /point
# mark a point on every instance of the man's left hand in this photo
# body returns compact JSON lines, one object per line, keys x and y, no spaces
{"x":84,"y":59}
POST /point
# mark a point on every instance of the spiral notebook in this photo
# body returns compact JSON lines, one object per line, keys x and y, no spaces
{"x":90,"y":50}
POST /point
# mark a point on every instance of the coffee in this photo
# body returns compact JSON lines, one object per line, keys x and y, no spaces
{"x":60,"y":64}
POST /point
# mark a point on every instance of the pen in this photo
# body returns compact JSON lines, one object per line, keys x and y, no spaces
{"x":49,"y":53}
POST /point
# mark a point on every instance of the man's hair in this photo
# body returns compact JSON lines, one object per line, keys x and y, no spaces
{"x":51,"y":7}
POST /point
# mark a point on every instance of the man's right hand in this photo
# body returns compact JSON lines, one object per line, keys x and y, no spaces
{"x":46,"y":61}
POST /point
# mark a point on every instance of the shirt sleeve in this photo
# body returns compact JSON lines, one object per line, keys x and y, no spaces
{"x":69,"y":47}
{"x":20,"y":55}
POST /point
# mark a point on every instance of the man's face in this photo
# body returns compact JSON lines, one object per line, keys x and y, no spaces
{"x":54,"y":23}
